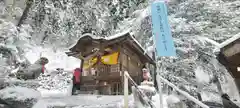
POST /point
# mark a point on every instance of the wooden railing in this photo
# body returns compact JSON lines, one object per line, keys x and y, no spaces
{"x":188,"y":96}
{"x":159,"y":79}
{"x":143,"y":96}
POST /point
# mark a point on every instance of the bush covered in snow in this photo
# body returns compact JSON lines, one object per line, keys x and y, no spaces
{"x":54,"y":80}
{"x":58,"y":83}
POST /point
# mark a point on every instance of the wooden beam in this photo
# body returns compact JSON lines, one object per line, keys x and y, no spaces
{"x":234,"y":60}
{"x":230,"y":51}
{"x":120,"y":49}
{"x":71,"y":53}
{"x":222,"y":59}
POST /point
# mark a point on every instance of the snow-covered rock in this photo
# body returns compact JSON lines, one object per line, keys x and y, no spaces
{"x":19,"y":97}
{"x":21,"y":83}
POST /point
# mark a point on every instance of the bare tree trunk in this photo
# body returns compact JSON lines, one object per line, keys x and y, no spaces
{"x":25,"y":12}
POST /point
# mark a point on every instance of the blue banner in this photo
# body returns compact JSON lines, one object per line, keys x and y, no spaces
{"x":161,"y":30}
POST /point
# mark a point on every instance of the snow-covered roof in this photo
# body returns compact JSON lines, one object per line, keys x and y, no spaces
{"x":118,"y":34}
{"x":113,"y":37}
{"x":230,"y":40}
{"x":109,"y":37}
{"x":98,"y":37}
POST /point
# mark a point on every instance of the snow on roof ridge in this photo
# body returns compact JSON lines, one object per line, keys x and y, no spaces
{"x":108,"y":37}
{"x":85,"y":34}
{"x":230,"y":40}
{"x":91,"y":35}
{"x":210,"y":41}
{"x":118,"y":34}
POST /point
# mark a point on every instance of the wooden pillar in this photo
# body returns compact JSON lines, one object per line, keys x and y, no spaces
{"x":82,"y":62}
{"x":120,"y":47}
{"x":139,"y":73}
{"x":129,"y":71}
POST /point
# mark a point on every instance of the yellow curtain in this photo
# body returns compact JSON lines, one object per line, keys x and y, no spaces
{"x":110,"y":59}
{"x":89,"y":63}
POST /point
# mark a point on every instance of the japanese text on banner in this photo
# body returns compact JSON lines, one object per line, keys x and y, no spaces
{"x":161,"y":30}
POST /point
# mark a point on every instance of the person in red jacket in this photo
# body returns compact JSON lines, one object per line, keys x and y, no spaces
{"x":76,"y":80}
{"x":43,"y":61}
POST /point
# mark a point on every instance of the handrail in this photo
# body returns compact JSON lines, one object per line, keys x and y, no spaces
{"x":182,"y":92}
{"x":159,"y":79}
{"x":126,"y":78}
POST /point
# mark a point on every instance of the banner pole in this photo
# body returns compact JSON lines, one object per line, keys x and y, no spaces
{"x":163,"y":41}
{"x":160,"y":90}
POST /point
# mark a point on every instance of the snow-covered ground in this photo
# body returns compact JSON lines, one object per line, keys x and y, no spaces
{"x":90,"y":101}
{"x":19,"y":93}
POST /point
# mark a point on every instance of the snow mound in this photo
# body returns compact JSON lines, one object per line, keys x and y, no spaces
{"x":19,"y":93}
{"x":172,"y":99}
{"x":201,"y":75}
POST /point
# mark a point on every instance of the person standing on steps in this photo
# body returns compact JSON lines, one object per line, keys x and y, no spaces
{"x":147,"y":82}
{"x":76,"y":80}
{"x":146,"y":75}
{"x":146,"y":87}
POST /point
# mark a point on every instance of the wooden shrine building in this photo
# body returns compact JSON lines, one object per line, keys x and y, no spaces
{"x":229,"y":56}
{"x":105,"y":60}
